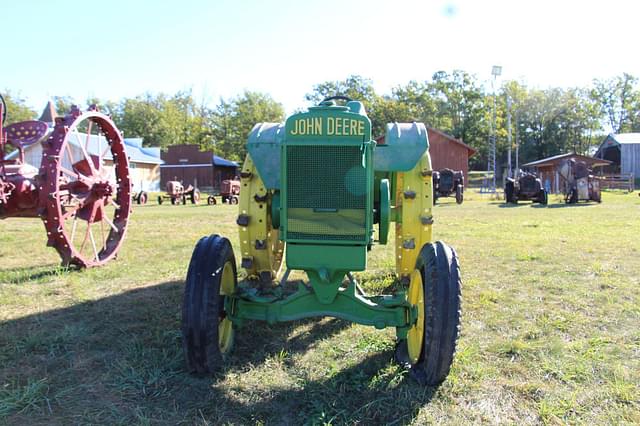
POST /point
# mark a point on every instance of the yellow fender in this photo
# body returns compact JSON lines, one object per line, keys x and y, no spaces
{"x":414,"y":201}
{"x":260,"y":246}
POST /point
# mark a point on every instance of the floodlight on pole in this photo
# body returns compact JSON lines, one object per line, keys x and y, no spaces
{"x":496,"y":70}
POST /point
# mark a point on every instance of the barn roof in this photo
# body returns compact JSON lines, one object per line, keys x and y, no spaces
{"x":49,"y":113}
{"x":97,"y":144}
{"x":380,"y":140}
{"x":223,"y":162}
{"x":549,"y":161}
{"x":454,"y":140}
{"x":626,"y":138}
{"x":139,"y":154}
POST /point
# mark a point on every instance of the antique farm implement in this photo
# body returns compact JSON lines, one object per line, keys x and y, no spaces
{"x":229,"y":192}
{"x":447,"y":182}
{"x":318,"y":184}
{"x":177,"y":193}
{"x":81,"y":190}
{"x":579,"y":182}
{"x":525,"y":187}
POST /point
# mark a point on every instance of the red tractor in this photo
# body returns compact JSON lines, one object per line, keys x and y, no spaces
{"x":177,"y":193}
{"x":82,"y":189}
{"x":229,"y":192}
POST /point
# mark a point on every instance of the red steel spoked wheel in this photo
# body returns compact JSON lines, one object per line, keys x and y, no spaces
{"x":85,"y":192}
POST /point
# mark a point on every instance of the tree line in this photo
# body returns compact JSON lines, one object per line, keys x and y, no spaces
{"x":544,"y":122}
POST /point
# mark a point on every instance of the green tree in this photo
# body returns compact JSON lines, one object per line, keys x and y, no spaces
{"x":619,"y":101}
{"x":17,"y":109}
{"x":233,"y":119}
{"x":164,"y":120}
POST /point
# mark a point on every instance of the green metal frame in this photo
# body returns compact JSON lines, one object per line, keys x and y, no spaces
{"x":349,"y":304}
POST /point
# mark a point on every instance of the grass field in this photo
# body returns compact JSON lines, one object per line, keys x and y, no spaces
{"x":551,"y":329}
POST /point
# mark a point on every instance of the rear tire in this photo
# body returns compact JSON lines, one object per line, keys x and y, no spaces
{"x":142,"y":198}
{"x":160,"y":199}
{"x":508,"y":192}
{"x":459,"y":194}
{"x":544,"y":197}
{"x":195,"y":196}
{"x":207,"y":334}
{"x":440,"y":272}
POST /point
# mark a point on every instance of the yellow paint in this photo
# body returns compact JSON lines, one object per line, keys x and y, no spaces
{"x":412,"y":211}
{"x":225,"y":327}
{"x":415,"y":336}
{"x":340,"y":126}
{"x":260,"y":228}
{"x":311,"y":126}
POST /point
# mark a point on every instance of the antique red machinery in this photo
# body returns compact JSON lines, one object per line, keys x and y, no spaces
{"x":82,"y":189}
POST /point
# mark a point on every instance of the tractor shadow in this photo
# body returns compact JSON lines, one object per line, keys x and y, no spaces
{"x":563,"y":205}
{"x":22,"y":274}
{"x":118,"y":357}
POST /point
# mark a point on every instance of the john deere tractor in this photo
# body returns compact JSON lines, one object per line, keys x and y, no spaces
{"x":319,"y":186}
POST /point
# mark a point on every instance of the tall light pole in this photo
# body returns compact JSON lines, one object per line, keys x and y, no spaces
{"x":509,"y":174}
{"x":496,"y":71}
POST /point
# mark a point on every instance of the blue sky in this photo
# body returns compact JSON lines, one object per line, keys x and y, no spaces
{"x":121,"y":48}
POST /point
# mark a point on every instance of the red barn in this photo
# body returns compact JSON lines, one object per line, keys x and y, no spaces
{"x":446,"y":152}
{"x":449,"y":152}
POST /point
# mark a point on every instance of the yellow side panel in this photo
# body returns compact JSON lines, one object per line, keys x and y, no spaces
{"x":258,"y":240}
{"x":414,"y":201}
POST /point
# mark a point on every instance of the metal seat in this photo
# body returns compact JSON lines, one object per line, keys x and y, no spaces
{"x":25,"y":133}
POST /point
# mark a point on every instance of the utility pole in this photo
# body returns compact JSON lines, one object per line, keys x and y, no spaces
{"x":509,"y":174}
{"x":517,"y":144}
{"x":490,"y":186}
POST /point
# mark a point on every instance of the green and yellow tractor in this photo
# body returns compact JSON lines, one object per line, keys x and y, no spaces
{"x":317,"y":192}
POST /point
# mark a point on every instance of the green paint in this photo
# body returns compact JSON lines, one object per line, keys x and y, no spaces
{"x":348,"y":303}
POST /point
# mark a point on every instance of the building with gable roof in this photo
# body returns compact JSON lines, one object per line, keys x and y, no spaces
{"x":623,"y":150}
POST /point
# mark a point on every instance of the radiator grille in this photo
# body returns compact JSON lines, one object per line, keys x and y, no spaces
{"x":326,"y":193}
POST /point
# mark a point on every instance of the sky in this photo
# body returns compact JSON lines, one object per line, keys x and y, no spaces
{"x":124,"y":48}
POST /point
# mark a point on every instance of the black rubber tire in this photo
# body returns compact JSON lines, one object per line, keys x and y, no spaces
{"x":142,"y":198}
{"x":211,"y":200}
{"x":160,"y":200}
{"x":195,"y":196}
{"x":174,"y":201}
{"x":438,"y":264}
{"x":544,"y":197}
{"x":203,"y":306}
{"x":233,"y":199}
{"x":459,"y":194}
{"x":508,"y":192}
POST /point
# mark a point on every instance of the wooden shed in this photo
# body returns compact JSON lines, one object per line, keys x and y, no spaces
{"x":202,"y":169}
{"x":446,"y":151}
{"x":623,"y":150}
{"x":548,"y":168}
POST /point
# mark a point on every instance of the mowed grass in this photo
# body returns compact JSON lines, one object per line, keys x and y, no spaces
{"x":550,"y":332}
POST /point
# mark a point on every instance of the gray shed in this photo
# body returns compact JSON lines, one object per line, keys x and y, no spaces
{"x":623,"y":150}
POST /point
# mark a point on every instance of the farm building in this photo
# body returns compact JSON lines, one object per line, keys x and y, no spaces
{"x":548,"y":168}
{"x":202,"y":169}
{"x":449,"y":152}
{"x":623,"y":150}
{"x":446,"y":151}
{"x":144,"y":163}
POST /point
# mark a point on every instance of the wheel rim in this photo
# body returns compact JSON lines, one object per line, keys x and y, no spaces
{"x":415,"y":336}
{"x":88,"y":201}
{"x":225,"y":327}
